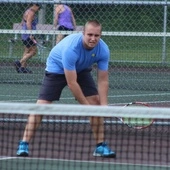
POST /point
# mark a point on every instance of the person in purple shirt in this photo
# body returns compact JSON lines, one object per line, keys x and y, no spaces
{"x":69,"y":64}
{"x":65,"y":19}
{"x":29,"y":22}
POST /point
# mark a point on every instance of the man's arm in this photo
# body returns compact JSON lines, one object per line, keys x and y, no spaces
{"x":103,"y":85}
{"x":71,"y":77}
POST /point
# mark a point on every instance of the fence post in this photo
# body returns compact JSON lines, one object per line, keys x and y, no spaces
{"x":164,"y":37}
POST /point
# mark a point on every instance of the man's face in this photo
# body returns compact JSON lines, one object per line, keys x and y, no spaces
{"x":92,"y":36}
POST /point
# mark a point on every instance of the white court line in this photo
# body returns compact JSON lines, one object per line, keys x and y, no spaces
{"x":33,"y":99}
{"x":6,"y":158}
{"x":114,"y":96}
{"x":138,"y":95}
{"x":83,"y":161}
{"x":32,"y":96}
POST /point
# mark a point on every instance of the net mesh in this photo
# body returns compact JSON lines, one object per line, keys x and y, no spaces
{"x":64,"y":139}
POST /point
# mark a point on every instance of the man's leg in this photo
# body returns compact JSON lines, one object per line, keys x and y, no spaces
{"x":97,"y":124}
{"x":30,"y":129}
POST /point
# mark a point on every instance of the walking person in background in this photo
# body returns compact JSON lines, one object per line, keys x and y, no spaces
{"x":29,"y":22}
{"x":65,"y":19}
{"x":69,"y":64}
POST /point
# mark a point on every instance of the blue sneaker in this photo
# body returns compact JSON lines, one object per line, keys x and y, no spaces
{"x":104,"y":151}
{"x":22,"y":149}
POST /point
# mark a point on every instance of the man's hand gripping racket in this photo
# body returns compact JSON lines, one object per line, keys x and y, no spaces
{"x":137,"y":123}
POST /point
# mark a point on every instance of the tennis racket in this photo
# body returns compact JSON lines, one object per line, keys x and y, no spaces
{"x":137,"y":123}
{"x":38,"y":44}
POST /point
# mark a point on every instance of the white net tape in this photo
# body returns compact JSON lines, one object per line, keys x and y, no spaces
{"x":84,"y":110}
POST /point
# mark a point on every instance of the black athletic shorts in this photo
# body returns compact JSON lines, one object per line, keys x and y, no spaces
{"x":63,"y":28}
{"x":53,"y":85}
{"x":28,"y":43}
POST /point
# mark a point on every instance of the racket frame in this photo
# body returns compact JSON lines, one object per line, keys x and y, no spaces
{"x":137,"y":127}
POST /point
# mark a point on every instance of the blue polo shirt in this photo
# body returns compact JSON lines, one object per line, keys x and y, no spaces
{"x":70,"y":54}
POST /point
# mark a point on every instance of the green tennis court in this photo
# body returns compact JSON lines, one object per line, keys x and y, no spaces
{"x":126,"y":85}
{"x":49,"y":164}
{"x":139,"y":71}
{"x":61,"y":143}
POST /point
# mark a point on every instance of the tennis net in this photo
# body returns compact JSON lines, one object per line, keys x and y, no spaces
{"x":64,"y":139}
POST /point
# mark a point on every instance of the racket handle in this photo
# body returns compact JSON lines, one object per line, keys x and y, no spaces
{"x":35,"y":42}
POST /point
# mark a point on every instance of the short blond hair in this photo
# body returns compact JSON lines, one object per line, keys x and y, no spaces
{"x":94,"y":23}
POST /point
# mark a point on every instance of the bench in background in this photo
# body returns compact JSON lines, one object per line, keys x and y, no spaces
{"x":43,"y":38}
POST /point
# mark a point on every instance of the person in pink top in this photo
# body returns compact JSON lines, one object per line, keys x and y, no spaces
{"x":65,"y":19}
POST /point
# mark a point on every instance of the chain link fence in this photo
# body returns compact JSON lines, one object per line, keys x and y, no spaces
{"x":137,"y":33}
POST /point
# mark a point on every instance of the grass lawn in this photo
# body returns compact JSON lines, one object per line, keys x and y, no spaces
{"x":123,"y":49}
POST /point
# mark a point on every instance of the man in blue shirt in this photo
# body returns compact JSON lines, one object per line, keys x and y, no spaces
{"x":69,"y":63}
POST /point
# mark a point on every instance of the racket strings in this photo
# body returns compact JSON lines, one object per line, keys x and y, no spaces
{"x":138,"y":123}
